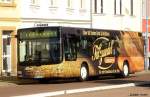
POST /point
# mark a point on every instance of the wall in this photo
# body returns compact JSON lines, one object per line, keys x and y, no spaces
{"x":58,"y":14}
{"x":125,"y":21}
{"x":9,"y":21}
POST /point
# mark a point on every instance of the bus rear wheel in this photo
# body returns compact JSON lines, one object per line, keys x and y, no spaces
{"x":84,"y":73}
{"x":125,"y":71}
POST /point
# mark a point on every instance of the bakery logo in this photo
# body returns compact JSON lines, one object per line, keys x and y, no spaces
{"x":102,"y":48}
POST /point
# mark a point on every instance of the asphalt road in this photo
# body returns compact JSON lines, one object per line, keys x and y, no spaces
{"x":138,"y":91}
{"x":19,"y":89}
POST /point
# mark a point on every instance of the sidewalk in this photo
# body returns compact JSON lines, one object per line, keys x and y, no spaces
{"x":7,"y":80}
{"x":143,"y":72}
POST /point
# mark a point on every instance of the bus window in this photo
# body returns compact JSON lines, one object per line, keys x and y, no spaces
{"x":22,"y":50}
{"x":40,"y":51}
{"x":70,"y":49}
{"x":84,"y":44}
{"x":85,"y":48}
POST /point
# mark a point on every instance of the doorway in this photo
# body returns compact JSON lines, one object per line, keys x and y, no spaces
{"x":6,"y":53}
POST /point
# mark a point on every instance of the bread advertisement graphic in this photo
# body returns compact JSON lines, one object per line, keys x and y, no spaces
{"x":109,"y":52}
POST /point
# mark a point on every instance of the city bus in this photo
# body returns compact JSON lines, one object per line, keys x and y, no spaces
{"x":68,"y":52}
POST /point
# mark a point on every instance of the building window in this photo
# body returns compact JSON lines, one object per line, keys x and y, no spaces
{"x":95,"y":6}
{"x":53,"y":6}
{"x":69,"y":7}
{"x":98,"y":6}
{"x":35,"y":2}
{"x":82,"y":3}
{"x":120,"y":7}
{"x":6,"y":1}
{"x":69,"y":3}
{"x":131,"y":7}
{"x":101,"y":6}
{"x":82,"y":8}
{"x":117,"y":7}
{"x":53,"y":3}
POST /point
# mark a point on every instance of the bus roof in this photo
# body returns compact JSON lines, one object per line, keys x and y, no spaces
{"x":78,"y":28}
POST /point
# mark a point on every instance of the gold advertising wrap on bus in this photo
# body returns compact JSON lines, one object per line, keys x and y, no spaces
{"x":101,"y":51}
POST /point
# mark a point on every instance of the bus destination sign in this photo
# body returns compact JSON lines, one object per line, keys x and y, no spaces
{"x":45,"y":34}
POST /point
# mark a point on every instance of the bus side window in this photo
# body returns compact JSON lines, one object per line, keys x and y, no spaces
{"x":70,"y":49}
{"x":85,"y":48}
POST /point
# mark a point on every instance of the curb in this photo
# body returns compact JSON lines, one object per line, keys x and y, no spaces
{"x":142,"y":72}
{"x":14,"y":81}
{"x":82,"y":90}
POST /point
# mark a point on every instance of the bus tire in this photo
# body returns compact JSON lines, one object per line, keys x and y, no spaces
{"x":125,"y":71}
{"x":84,"y":73}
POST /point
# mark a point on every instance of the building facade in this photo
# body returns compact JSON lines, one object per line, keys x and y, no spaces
{"x":74,"y":13}
{"x":123,"y":15}
{"x":9,"y":21}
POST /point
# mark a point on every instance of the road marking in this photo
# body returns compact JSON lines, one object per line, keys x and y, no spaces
{"x":99,"y":88}
{"x":63,"y":92}
{"x":47,"y":94}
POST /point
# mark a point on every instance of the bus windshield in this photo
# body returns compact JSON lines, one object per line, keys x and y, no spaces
{"x":40,"y":51}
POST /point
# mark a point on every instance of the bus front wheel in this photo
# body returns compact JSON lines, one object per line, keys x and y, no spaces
{"x":125,"y":71}
{"x":84,"y":74}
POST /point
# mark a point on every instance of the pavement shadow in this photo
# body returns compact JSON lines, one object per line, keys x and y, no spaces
{"x":15,"y":80}
{"x":147,"y":85}
{"x":103,"y":79}
{"x":118,"y":81}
